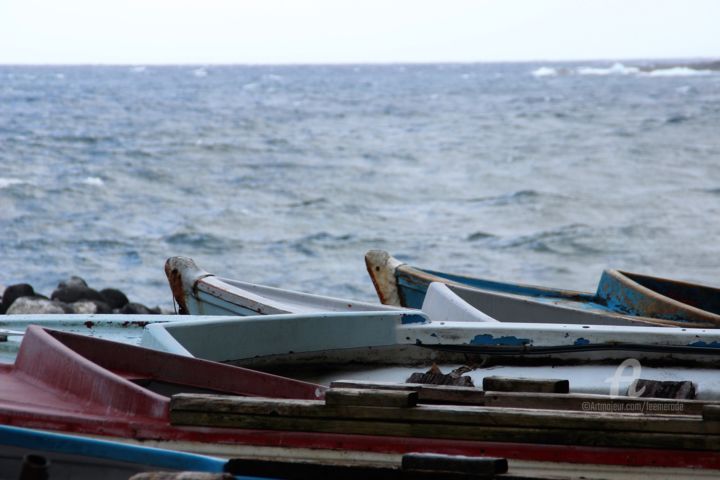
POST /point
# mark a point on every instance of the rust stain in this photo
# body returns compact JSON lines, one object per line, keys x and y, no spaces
{"x":176,"y":286}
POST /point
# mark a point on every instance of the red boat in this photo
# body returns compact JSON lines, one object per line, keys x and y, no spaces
{"x":77,"y":384}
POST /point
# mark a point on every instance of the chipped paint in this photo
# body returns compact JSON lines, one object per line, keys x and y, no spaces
{"x":643,"y":295}
{"x":700,"y":343}
{"x":382,"y":267}
{"x":487,"y":339}
{"x":413,"y":318}
{"x":176,"y":286}
{"x":582,"y":341}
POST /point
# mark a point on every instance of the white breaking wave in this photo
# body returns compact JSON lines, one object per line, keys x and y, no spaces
{"x":8,"y":182}
{"x":677,"y":72}
{"x":200,"y":72}
{"x":544,"y":72}
{"x":620,"y":69}
{"x":271,"y":77}
{"x":615,"y":69}
{"x":94,"y":181}
{"x":138,"y":69}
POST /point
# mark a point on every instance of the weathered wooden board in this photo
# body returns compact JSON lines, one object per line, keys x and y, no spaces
{"x":562,"y":436}
{"x":510,"y":384}
{"x":412,"y":466}
{"x":448,"y":395}
{"x":185,"y":405}
{"x":370,"y":398}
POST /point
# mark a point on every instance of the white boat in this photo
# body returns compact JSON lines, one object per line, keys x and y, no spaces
{"x":198,"y":292}
{"x":116,"y":327}
{"x":390,"y":346}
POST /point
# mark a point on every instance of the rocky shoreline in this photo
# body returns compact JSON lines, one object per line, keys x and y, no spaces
{"x":71,"y":296}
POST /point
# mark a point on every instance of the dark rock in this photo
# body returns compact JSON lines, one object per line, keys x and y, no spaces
{"x":135,"y":309}
{"x":434,"y":376}
{"x":114,"y":298}
{"x":66,"y":308}
{"x":73,"y":281}
{"x":73,"y":294}
{"x":34,"y":305}
{"x":90,"y":307}
{"x":14,"y":292}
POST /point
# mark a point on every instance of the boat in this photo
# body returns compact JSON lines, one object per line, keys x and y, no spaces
{"x":322,"y":348}
{"x":648,"y":296}
{"x":198,"y":292}
{"x":61,"y":456}
{"x":65,"y":382}
{"x":118,"y":327}
{"x":615,"y":303}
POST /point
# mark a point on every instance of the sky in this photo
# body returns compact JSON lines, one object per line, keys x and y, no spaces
{"x":362,"y":31}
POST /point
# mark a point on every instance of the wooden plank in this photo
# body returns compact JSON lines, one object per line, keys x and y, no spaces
{"x":370,"y":398}
{"x":684,"y":390}
{"x":557,"y":436}
{"x":477,"y":468}
{"x":445,"y":415}
{"x":711,"y":412}
{"x":452,"y":463}
{"x":512,"y":384}
{"x":440,"y":394}
{"x":181,"y":476}
{"x":375,"y":385}
{"x":594,"y":403}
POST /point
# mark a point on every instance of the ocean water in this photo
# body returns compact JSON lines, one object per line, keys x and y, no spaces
{"x":285,"y":175}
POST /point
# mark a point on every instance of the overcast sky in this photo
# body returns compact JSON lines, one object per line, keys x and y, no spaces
{"x":362,"y":31}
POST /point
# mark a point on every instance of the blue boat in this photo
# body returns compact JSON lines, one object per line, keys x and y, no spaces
{"x":622,"y":298}
{"x":59,"y":456}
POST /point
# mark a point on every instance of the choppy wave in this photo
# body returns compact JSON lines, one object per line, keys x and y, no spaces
{"x":517,"y":197}
{"x":677,"y":72}
{"x":615,"y":69}
{"x":94,"y":181}
{"x":527,"y":178}
{"x":9,"y":182}
{"x":619,"y":69}
{"x":545,"y":72}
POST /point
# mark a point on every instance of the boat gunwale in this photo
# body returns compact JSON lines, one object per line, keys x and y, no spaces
{"x":627,"y":279}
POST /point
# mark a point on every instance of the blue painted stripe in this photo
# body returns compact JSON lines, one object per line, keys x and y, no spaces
{"x":512,"y":288}
{"x":40,"y":441}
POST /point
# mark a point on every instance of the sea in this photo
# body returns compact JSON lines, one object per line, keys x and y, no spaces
{"x":541,"y":173}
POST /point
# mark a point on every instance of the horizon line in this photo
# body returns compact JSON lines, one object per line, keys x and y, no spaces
{"x":349,"y":63}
